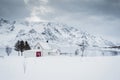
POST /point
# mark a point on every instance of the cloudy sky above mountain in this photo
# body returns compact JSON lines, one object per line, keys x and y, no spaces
{"x":100,"y":17}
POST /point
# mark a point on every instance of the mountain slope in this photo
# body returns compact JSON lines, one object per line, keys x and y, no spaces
{"x":55,"y":33}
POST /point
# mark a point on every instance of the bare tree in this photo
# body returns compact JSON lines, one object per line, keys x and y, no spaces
{"x":8,"y":50}
{"x":84,"y":44}
{"x":77,"y":52}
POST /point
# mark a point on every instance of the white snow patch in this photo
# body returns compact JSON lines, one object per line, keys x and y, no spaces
{"x":60,"y":68}
{"x":11,"y":68}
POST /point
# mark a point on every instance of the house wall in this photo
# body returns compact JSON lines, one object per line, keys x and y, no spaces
{"x":53,"y":52}
{"x":31,"y":53}
{"x":45,"y":52}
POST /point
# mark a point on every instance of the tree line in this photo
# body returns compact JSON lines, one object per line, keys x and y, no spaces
{"x":21,"y":46}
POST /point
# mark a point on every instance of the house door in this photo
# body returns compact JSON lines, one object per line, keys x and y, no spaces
{"x":38,"y":54}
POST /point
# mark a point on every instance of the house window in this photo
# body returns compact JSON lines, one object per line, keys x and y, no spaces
{"x":38,"y":47}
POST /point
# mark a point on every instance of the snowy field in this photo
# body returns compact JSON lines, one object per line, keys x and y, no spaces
{"x":60,"y":68}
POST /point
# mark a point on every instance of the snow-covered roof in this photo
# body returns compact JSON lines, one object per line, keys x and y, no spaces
{"x":43,"y":45}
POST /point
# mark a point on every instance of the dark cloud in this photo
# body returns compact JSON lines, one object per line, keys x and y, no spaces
{"x":13,"y":9}
{"x":105,"y":8}
{"x":91,"y":7}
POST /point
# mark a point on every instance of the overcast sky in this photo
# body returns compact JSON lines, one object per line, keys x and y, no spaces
{"x":99,"y":17}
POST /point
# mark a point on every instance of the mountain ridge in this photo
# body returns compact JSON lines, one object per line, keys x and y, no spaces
{"x":47,"y":31}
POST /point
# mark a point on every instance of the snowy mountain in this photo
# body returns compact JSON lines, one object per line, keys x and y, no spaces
{"x":6,"y":26}
{"x":56,"y":33}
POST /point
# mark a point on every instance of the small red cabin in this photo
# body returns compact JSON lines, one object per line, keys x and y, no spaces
{"x":38,"y":54}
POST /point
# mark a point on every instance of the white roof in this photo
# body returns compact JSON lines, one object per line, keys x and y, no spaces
{"x":44,"y":45}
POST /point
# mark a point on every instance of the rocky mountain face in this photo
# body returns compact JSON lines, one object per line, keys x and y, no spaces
{"x":6,"y":26}
{"x":53,"y":32}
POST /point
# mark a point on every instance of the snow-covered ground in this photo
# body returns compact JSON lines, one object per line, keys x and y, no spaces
{"x":60,"y":68}
{"x":11,"y":68}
